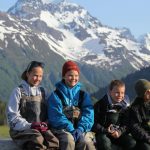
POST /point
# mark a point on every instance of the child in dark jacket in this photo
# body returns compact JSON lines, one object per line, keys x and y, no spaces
{"x":110,"y":124}
{"x":140,"y":115}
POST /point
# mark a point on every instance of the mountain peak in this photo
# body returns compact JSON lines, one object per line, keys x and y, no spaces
{"x":52,"y":1}
{"x":24,"y":8}
{"x":99,"y":45}
{"x":28,"y":8}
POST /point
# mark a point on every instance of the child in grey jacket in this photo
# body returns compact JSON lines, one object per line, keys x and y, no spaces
{"x":27,"y":112}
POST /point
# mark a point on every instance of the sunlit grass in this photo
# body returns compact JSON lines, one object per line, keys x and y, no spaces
{"x":4,"y":131}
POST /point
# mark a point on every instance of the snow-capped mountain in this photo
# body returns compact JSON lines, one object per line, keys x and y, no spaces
{"x":82,"y":37}
{"x":52,"y":29}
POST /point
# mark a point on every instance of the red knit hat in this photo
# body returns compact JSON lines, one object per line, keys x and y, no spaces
{"x":69,"y":65}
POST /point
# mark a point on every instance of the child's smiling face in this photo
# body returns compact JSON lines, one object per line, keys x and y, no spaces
{"x":117,"y":93}
{"x":71,"y":78}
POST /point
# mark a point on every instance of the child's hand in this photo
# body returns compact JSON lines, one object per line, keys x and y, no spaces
{"x":114,"y":131}
{"x":111,"y":129}
{"x":116,"y":134}
{"x":40,"y":126}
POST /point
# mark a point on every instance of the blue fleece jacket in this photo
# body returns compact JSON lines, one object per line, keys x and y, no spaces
{"x":57,"y":118}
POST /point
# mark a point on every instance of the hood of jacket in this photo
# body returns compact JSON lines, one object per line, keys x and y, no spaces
{"x":70,"y":94}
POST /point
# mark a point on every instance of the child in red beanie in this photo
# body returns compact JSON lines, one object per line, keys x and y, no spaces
{"x":70,"y":111}
{"x":69,"y":65}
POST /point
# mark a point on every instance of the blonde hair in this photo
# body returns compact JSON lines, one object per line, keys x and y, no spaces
{"x":117,"y":83}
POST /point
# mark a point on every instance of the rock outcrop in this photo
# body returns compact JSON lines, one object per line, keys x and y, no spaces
{"x":8,"y":144}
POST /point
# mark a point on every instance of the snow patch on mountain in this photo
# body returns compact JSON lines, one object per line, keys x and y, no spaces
{"x":51,"y":1}
{"x":146,"y":41}
{"x":49,"y":19}
{"x":70,"y":46}
{"x":94,"y":46}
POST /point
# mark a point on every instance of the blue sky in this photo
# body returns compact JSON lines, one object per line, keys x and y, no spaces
{"x":133,"y":14}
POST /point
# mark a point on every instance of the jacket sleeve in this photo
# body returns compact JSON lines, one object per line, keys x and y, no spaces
{"x":97,"y":127}
{"x":123,"y":121}
{"x":14,"y":118}
{"x":56,"y":117}
{"x":135,"y":126}
{"x":87,"y":118}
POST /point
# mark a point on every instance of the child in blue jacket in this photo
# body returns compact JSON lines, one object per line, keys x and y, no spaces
{"x":70,"y":111}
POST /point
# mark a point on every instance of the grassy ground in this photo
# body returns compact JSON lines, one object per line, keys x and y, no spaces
{"x":4,"y":132}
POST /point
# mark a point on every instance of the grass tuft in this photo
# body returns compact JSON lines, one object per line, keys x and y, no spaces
{"x":4,"y":132}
